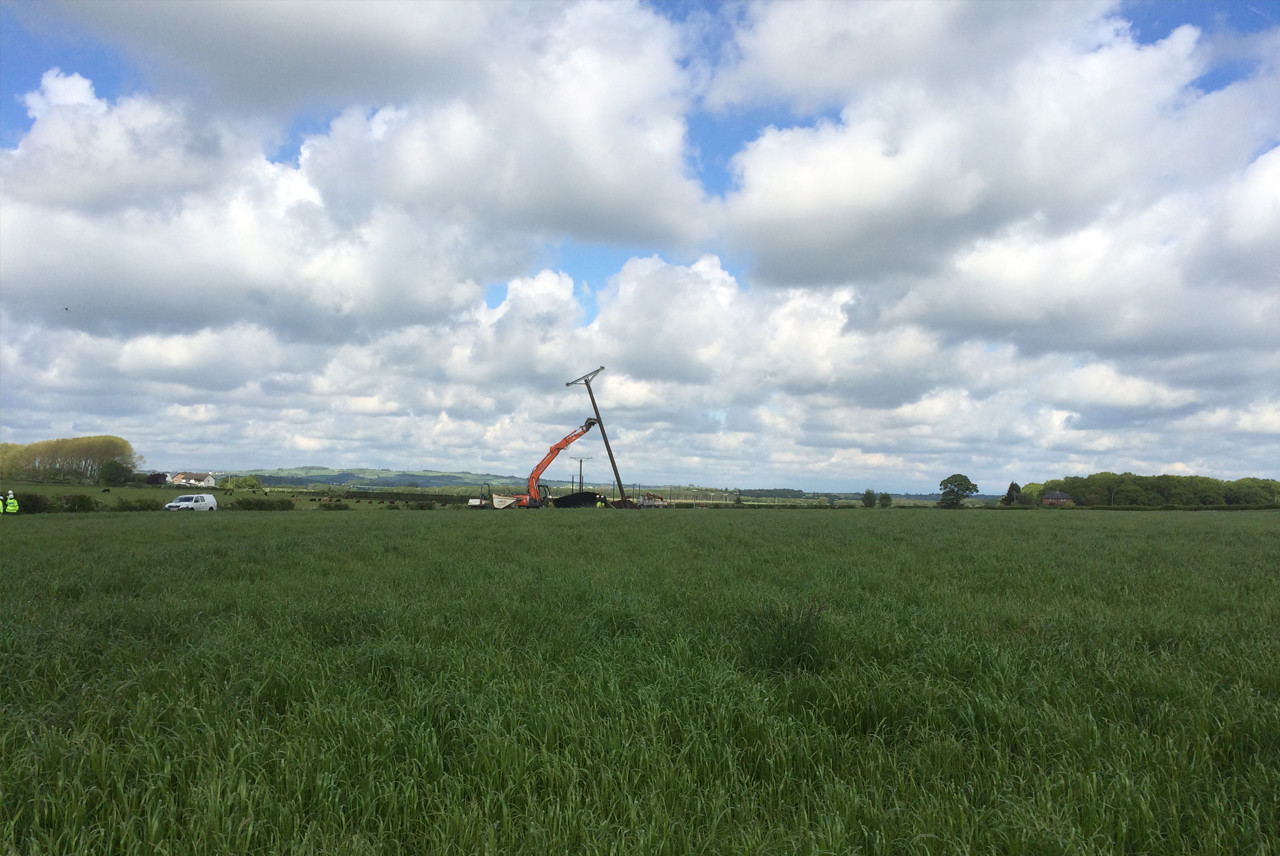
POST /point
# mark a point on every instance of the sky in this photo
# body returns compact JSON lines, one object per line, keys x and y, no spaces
{"x":829,"y":246}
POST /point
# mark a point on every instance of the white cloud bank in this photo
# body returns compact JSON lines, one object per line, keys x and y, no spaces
{"x":1000,"y":239}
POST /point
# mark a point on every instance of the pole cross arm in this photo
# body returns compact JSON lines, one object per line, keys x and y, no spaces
{"x":586,"y":378}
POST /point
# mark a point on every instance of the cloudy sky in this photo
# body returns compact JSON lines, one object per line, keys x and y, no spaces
{"x":827,"y":246}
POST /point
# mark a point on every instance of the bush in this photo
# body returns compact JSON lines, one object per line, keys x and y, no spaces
{"x":35,"y":503}
{"x":334,"y":506}
{"x":251,"y":504}
{"x":79,"y":503}
{"x":139,"y":505}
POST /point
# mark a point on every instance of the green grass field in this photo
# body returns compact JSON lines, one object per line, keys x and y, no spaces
{"x":640,"y":682}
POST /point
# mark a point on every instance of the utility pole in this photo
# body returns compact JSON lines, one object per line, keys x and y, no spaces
{"x":585,"y":380}
{"x":581,"y":486}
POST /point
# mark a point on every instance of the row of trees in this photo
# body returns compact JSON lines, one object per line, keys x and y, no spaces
{"x":1126,"y":489}
{"x":870,"y":499}
{"x":76,"y":460}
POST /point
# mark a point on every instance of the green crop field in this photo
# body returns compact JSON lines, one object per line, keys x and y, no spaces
{"x":640,"y":682}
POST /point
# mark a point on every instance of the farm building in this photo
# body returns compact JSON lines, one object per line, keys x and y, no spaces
{"x":1055,"y":497}
{"x":194,"y":479}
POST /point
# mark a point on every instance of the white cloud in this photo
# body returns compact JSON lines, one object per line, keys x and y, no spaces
{"x":1101,"y":385}
{"x":223,"y":359}
{"x":85,"y":154}
{"x":58,"y":90}
{"x":1076,"y":123}
{"x":163,"y":240}
{"x":828,"y":51}
{"x":581,"y":130}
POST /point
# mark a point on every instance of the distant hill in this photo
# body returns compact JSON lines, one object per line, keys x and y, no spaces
{"x":302,"y":476}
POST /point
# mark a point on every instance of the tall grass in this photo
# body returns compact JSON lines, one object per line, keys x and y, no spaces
{"x":658,"y":682}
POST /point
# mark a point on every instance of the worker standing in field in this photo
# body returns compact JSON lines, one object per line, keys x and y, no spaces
{"x":11,"y":504}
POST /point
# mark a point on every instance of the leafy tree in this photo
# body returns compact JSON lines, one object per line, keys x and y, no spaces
{"x":1103,"y":488}
{"x":114,"y":473}
{"x":886,"y":501}
{"x":869,"y":498}
{"x":1207,"y":491}
{"x":1012,"y":495}
{"x":11,"y":460}
{"x":955,"y":490}
{"x":1247,"y":492}
{"x":1136,"y":490}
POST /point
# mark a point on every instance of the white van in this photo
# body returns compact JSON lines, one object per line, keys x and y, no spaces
{"x":193,"y":502}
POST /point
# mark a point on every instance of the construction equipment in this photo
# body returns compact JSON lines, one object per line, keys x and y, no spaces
{"x":537,"y":496}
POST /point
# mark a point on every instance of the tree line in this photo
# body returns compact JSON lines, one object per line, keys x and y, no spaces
{"x":74,"y":460}
{"x":1104,"y":490}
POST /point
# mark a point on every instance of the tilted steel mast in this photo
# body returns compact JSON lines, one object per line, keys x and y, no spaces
{"x":585,"y":380}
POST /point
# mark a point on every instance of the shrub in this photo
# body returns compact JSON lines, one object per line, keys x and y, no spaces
{"x":412,"y":506}
{"x":139,"y":505}
{"x":36,"y":503}
{"x":79,"y":503}
{"x":251,"y":504}
{"x":334,"y":506}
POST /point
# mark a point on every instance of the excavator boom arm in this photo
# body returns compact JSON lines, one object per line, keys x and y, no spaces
{"x":553,"y":452}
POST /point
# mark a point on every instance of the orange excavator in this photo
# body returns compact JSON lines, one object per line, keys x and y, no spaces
{"x":537,"y":497}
